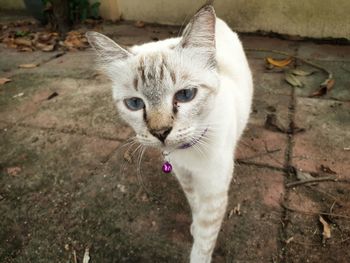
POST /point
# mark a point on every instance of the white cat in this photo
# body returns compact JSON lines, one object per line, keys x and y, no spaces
{"x":190,"y":97}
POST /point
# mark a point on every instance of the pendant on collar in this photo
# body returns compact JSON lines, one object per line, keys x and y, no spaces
{"x":167,"y":167}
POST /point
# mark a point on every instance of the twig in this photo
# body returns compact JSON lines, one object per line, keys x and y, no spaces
{"x":86,"y":257}
{"x":313,"y":180}
{"x":75,"y":256}
{"x":259,"y":155}
{"x":331,"y":209}
{"x":314,"y":213}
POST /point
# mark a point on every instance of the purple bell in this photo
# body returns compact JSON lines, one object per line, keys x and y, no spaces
{"x":167,"y":168}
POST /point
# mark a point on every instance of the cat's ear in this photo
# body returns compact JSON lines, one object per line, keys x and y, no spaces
{"x":200,"y":32}
{"x":106,"y":49}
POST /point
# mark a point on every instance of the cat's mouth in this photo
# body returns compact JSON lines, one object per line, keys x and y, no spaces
{"x":170,"y":146}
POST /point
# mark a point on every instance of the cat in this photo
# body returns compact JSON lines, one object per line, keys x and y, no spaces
{"x":190,"y":97}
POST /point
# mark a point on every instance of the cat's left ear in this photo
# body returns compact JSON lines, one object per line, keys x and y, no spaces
{"x":106,"y":49}
{"x":200,"y":32}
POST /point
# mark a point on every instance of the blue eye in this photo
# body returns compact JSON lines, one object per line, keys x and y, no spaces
{"x":185,"y":95}
{"x":134,"y":104}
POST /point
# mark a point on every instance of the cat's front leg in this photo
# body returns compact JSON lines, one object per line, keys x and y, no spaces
{"x":186,"y":181}
{"x":207,"y":221}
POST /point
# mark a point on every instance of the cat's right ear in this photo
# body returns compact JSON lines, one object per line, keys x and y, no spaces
{"x":107,"y":50}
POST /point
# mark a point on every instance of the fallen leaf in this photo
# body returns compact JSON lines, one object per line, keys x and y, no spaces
{"x":18,"y":95}
{"x":279,"y":63}
{"x":86,"y":257}
{"x":326,"y":169}
{"x":292,"y":80}
{"x":299,"y":72}
{"x":4,"y":80}
{"x":326,"y":229}
{"x":139,"y":24}
{"x":303,"y":176}
{"x":325,"y":87}
{"x":23,"y":42}
{"x":289,"y":240}
{"x":45,"y":37}
{"x":44,"y":47}
{"x":25,"y":49}
{"x":13,"y":171}
{"x":48,"y":48}
{"x":237,"y":209}
{"x":28,"y":65}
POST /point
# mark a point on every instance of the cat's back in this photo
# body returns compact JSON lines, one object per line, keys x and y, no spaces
{"x":229,"y":52}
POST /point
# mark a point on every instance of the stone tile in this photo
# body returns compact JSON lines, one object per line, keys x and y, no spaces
{"x":83,"y":106}
{"x":259,"y":145}
{"x":341,"y":74}
{"x":127,"y":221}
{"x":15,"y":58}
{"x":326,"y":52}
{"x":263,"y":147}
{"x":37,"y":203}
{"x":304,"y":229}
{"x":327,"y":125}
{"x":22,"y":97}
{"x":252,"y":236}
{"x":267,"y":82}
{"x":250,"y":43}
{"x":78,"y":64}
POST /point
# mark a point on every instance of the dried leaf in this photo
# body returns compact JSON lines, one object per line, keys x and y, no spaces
{"x":48,"y":48}
{"x":44,"y":37}
{"x":13,"y":171}
{"x":25,"y":49}
{"x":326,"y":229}
{"x":28,"y":65}
{"x":299,"y":72}
{"x":289,"y":240}
{"x":326,"y":169}
{"x":292,"y":80}
{"x":279,"y":63}
{"x":86,"y":257}
{"x":23,"y":42}
{"x":4,"y":80}
{"x":139,"y":24}
{"x":237,"y":209}
{"x":18,"y":95}
{"x":304,"y":176}
{"x":325,"y":87}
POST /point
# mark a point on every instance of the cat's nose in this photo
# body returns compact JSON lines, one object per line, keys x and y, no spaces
{"x":161,"y":134}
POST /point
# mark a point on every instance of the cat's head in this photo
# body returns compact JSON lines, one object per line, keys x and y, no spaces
{"x":165,"y":90}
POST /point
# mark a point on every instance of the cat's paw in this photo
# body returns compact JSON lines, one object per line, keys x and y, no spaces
{"x":197,"y":256}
